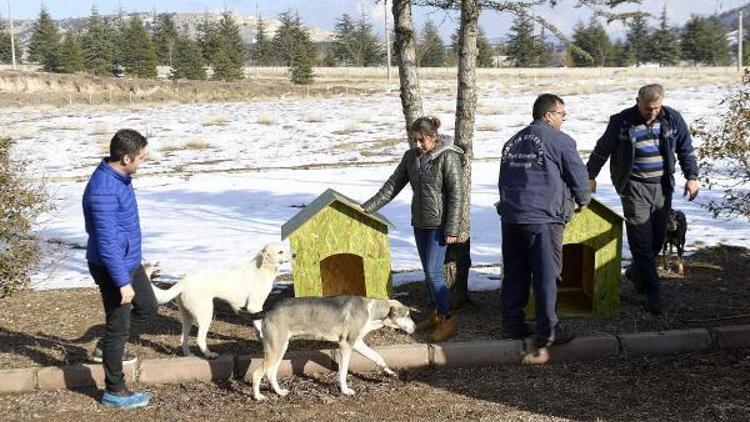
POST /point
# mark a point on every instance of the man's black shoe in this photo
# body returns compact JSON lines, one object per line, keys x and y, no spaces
{"x":656,"y":309}
{"x":519,"y":334}
{"x":558,"y":337}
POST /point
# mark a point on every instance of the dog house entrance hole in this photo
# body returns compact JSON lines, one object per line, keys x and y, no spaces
{"x":342,"y":274}
{"x":576,"y":288}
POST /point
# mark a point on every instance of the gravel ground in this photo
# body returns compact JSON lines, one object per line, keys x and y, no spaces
{"x":58,"y":327}
{"x":712,"y":386}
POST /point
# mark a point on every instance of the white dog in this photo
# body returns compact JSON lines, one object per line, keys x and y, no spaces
{"x":244,"y":286}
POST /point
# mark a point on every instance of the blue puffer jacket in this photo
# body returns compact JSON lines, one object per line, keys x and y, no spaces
{"x":541,"y":177}
{"x":112,"y":223}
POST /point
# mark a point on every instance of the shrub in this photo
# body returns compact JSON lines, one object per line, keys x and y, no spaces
{"x":724,"y":154}
{"x":21,"y":202}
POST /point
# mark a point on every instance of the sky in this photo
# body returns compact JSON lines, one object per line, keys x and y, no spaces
{"x":323,"y":13}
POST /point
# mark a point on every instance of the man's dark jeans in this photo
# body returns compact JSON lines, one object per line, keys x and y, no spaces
{"x":530,"y":255}
{"x":646,"y":208}
{"x":117,"y":328}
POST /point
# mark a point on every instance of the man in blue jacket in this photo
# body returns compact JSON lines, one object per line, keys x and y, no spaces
{"x":642,"y":142}
{"x":114,"y":258}
{"x":541,"y":178}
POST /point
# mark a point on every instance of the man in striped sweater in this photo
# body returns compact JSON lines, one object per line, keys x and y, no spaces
{"x":642,"y":142}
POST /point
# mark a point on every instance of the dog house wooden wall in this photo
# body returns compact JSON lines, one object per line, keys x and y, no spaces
{"x":592,"y":259}
{"x":338,"y":249}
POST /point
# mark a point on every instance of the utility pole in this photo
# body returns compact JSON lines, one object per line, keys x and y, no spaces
{"x":740,"y":37}
{"x":387,"y":40}
{"x":12,"y":37}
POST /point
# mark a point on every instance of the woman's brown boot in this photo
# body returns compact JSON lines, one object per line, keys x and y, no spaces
{"x":431,"y":321}
{"x":444,"y":329}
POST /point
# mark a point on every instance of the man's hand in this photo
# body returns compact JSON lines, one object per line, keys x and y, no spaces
{"x":451,"y":239}
{"x":691,"y":189}
{"x":592,"y":185}
{"x":127,"y":294}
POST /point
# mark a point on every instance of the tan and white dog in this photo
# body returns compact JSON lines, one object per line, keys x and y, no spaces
{"x":245,"y":286}
{"x":345,"y":320}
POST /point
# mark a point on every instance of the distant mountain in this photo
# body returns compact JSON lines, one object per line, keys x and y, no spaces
{"x":187,"y":22}
{"x":731,"y":17}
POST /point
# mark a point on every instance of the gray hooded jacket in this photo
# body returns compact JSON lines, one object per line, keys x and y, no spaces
{"x":437,"y":186}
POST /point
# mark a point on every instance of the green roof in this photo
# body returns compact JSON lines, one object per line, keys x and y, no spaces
{"x":325,"y":199}
{"x":599,"y":204}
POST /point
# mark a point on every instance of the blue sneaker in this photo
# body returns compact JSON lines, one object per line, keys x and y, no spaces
{"x":126,"y":399}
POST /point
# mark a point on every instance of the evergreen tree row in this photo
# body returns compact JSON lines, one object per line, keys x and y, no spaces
{"x":703,"y":41}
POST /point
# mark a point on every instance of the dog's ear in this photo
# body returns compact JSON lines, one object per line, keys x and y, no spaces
{"x":397,"y":309}
{"x":259,"y":258}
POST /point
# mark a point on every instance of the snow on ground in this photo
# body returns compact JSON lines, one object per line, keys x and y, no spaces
{"x":196,"y":214}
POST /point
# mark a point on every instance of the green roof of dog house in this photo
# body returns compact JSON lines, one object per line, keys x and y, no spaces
{"x":339,"y":249}
{"x":592,"y":257}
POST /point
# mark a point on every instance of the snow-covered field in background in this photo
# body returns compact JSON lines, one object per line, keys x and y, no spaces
{"x":195,"y":214}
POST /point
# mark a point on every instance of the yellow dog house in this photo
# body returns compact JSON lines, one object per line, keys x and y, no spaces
{"x":592,"y":258}
{"x":339,"y":249}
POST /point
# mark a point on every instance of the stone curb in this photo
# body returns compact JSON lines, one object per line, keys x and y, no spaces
{"x":733,"y":337}
{"x":665,"y":342}
{"x":481,"y":353}
{"x":403,"y":356}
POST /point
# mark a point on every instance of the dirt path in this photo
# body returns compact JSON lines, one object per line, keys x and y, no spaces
{"x":59,"y":327}
{"x":691,"y":387}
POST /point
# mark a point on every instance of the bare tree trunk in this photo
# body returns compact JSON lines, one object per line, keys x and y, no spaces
{"x":406,"y":54}
{"x":458,"y":258}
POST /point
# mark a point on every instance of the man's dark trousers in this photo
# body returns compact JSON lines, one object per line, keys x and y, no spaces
{"x":530,"y":256}
{"x":117,"y":328}
{"x":646,"y":208}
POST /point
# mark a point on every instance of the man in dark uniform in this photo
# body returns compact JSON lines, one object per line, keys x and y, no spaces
{"x":541,"y":175}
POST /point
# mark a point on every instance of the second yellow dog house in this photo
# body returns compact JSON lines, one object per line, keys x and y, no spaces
{"x":339,"y":249}
{"x":592,"y":256}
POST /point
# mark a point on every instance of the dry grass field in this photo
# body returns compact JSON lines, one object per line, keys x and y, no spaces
{"x":29,"y":88}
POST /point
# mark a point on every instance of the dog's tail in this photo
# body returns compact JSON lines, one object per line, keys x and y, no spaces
{"x":164,"y":296}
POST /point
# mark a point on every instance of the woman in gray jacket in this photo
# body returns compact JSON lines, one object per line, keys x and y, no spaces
{"x":433,"y":169}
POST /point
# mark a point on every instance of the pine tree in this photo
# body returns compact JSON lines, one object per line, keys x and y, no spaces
{"x":638,"y":39}
{"x":119,"y":29}
{"x":371,"y":52}
{"x":520,"y":47}
{"x":99,"y":50}
{"x":721,"y":51}
{"x":619,"y":56}
{"x":594,"y":40}
{"x":301,"y":70}
{"x":164,"y":39}
{"x":431,"y":49}
{"x":187,"y":60}
{"x":665,"y":44}
{"x":262,"y":50}
{"x":44,"y":46}
{"x":342,"y":45}
{"x":229,"y":58}
{"x":139,"y":55}
{"x":704,"y":41}
{"x":485,"y":51}
{"x":289,"y":38}
{"x":5,"y":52}
{"x":544,"y":50}
{"x":208,"y":39}
{"x":71,"y":55}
